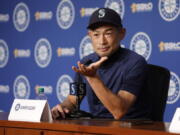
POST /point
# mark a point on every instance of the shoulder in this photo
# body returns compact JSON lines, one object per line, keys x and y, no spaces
{"x":131,"y":60}
{"x":132,"y":57}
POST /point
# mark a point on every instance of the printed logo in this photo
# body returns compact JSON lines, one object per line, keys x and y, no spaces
{"x":141,"y":44}
{"x":87,"y":11}
{"x":66,"y":51}
{"x":4,"y":53}
{"x":63,"y":87}
{"x":17,"y":107}
{"x":43,"y":52}
{"x":169,"y":46}
{"x":141,"y":7}
{"x":169,"y":9}
{"x":4,"y":88}
{"x":77,"y":88}
{"x":1,"y":111}
{"x":101,"y":13}
{"x":21,"y":17}
{"x":86,"y":47}
{"x":21,"y":87}
{"x":65,"y":14}
{"x":4,"y":17}
{"x":47,"y":89}
{"x":117,"y":5}
{"x":174,"y":89}
{"x":43,"y":15}
{"x":21,"y":53}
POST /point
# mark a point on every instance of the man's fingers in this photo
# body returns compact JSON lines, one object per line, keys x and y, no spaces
{"x":54,"y":113}
{"x":66,"y":110}
{"x":102,"y":60}
{"x":58,"y":111}
{"x":99,"y":62}
{"x":91,"y":68}
{"x":61,"y":111}
{"x":75,"y":69}
{"x":82,"y":67}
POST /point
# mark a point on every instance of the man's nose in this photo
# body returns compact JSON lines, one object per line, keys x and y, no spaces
{"x":103,"y":39}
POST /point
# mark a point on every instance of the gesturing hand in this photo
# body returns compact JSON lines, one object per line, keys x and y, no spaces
{"x":91,"y":69}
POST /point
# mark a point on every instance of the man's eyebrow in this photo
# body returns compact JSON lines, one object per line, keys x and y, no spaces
{"x":109,"y":29}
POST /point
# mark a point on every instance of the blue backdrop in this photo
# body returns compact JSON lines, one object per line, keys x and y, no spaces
{"x":40,"y":41}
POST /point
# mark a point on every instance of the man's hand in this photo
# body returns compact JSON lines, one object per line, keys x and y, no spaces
{"x":59,"y":111}
{"x":90,"y":70}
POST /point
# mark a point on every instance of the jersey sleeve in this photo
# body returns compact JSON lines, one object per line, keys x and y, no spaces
{"x":134,"y":77}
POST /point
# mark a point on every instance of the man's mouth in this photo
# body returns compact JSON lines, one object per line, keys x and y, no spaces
{"x":104,"y":49}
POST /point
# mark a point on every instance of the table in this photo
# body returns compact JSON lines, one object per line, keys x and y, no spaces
{"x":82,"y":127}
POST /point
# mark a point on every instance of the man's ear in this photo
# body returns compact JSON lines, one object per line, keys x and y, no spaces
{"x":90,"y":34}
{"x":122,"y":33}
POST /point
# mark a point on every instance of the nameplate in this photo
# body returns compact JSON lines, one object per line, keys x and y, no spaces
{"x":30,"y":110}
{"x":175,"y":123}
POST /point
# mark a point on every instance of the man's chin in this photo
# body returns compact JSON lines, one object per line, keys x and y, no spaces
{"x":103,"y":54}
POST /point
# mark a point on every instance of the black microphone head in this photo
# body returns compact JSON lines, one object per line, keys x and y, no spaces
{"x":78,"y":89}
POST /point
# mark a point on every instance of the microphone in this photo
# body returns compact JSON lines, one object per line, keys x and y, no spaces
{"x":79,"y":90}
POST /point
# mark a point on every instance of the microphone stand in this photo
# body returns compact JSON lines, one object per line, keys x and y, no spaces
{"x":80,"y":90}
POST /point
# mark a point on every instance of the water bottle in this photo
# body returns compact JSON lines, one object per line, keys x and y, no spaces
{"x":41,"y":95}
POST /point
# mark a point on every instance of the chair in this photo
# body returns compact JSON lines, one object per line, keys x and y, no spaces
{"x":157,"y":85}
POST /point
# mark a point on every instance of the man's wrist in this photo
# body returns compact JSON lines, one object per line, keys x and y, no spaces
{"x":92,"y":78}
{"x":69,"y":105}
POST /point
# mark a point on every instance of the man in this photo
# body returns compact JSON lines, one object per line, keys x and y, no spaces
{"x":113,"y":75}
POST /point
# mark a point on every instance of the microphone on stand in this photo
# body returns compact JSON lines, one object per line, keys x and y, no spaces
{"x":79,"y":90}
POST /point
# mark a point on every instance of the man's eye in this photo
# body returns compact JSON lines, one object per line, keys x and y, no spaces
{"x":96,"y":34}
{"x":109,"y":33}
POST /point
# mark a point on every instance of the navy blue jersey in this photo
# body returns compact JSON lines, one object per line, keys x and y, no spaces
{"x":124,"y":70}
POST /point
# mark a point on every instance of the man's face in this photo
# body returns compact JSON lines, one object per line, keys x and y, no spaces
{"x":105,"y":39}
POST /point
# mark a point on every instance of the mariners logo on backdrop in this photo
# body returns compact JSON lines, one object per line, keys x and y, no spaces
{"x":21,"y":87}
{"x":85,"y":47}
{"x":174,"y":89}
{"x":141,"y":44}
{"x":65,"y":14}
{"x":117,"y":5}
{"x":4,"y":53}
{"x":43,"y":52}
{"x":62,"y":87}
{"x":169,"y":9}
{"x":21,"y":17}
